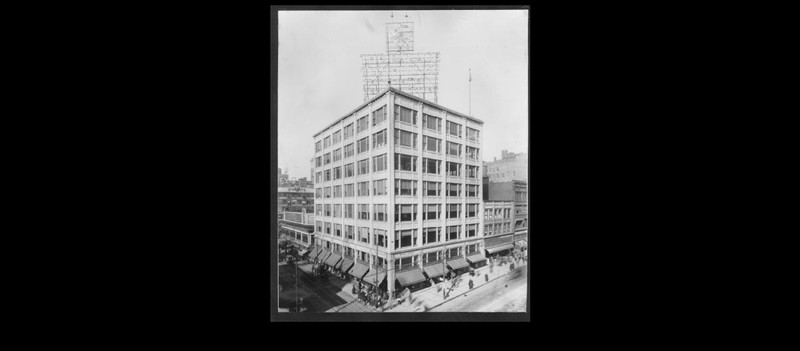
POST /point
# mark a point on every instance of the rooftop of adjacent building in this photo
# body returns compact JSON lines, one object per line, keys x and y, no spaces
{"x":508,"y":157}
{"x":295,"y":190}
{"x":403,"y":93}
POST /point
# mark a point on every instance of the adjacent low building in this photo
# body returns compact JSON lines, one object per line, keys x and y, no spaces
{"x":505,"y":216}
{"x":298,"y":227}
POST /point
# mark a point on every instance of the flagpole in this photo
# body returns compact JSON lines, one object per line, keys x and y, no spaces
{"x":470,"y":91}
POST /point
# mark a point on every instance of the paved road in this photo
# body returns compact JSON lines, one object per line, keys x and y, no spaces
{"x":318,"y":295}
{"x":492,"y":297}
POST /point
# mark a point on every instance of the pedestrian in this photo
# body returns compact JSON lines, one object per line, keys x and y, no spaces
{"x":470,"y":284}
{"x":487,"y":277}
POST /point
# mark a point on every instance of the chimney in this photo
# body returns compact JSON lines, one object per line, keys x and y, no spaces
{"x":505,"y":153}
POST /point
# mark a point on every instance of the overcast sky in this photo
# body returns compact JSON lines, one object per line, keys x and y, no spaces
{"x":319,"y":72}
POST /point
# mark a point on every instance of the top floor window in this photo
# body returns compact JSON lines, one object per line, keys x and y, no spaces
{"x":379,"y":116}
{"x":348,"y":131}
{"x":337,"y":137}
{"x":362,"y":124}
{"x":473,"y":134}
{"x":405,"y":114}
{"x":432,"y":123}
{"x":454,"y":129}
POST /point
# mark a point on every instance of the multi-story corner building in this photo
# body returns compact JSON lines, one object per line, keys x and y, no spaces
{"x":505,"y":216}
{"x":511,"y":166}
{"x":295,"y":199}
{"x":397,"y":192}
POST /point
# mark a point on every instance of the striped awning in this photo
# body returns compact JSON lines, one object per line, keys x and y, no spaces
{"x":333,"y":259}
{"x":314,"y":253}
{"x":359,"y":270}
{"x":492,"y":250}
{"x":476,"y":257}
{"x":370,"y":279}
{"x":457,"y":263}
{"x":323,"y":255}
{"x":344,"y":265}
{"x":434,"y":270}
{"x":410,"y":277}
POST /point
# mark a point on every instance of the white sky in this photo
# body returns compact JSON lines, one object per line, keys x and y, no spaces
{"x":319,"y":72}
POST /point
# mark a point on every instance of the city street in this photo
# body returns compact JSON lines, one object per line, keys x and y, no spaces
{"x":319,"y":295}
{"x":492,"y":297}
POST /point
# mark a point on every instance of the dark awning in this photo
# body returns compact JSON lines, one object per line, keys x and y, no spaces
{"x":370,"y":279}
{"x":333,"y":259}
{"x":314,"y":253}
{"x":476,"y":257}
{"x":344,"y":265}
{"x":359,"y":270}
{"x":434,"y":270}
{"x":492,"y":250}
{"x":457,"y":263}
{"x":410,"y":277}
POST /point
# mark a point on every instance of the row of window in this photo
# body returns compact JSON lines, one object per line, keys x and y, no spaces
{"x":501,"y":228}
{"x":400,"y":263}
{"x":402,"y":238}
{"x":401,"y":187}
{"x":499,"y":213}
{"x":378,"y":116}
{"x":402,"y":213}
{"x":401,"y":163}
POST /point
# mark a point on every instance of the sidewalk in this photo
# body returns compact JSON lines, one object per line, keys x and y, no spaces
{"x":431,"y":297}
{"x":345,"y":288}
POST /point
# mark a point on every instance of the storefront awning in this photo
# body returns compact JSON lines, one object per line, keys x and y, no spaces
{"x":476,"y":257}
{"x":492,"y":250}
{"x":457,"y":263}
{"x":359,"y":270}
{"x":314,"y":253}
{"x":302,"y":253}
{"x":410,"y":277}
{"x":344,"y":265}
{"x":323,"y":255}
{"x":333,"y":259}
{"x":370,"y":279}
{"x":434,"y":270}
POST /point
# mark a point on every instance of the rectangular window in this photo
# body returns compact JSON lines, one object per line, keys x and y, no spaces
{"x":319,"y":161}
{"x":454,"y":232}
{"x":432,"y":123}
{"x":453,"y":189}
{"x":404,"y":138}
{"x":349,"y":190}
{"x":431,"y":166}
{"x":431,"y":211}
{"x":405,"y":213}
{"x":318,"y":146}
{"x":348,"y":211}
{"x":337,"y":137}
{"x":337,"y":173}
{"x":454,"y":252}
{"x":432,"y":188}
{"x":363,"y":166}
{"x":453,"y":149}
{"x":472,"y":172}
{"x":379,"y":139}
{"x":362,"y":145}
{"x":337,"y":211}
{"x":405,"y":238}
{"x":348,"y":131}
{"x":472,"y":210}
{"x":362,"y":124}
{"x":379,"y":237}
{"x":453,"y":169}
{"x":363,"y":189}
{"x":454,"y":129}
{"x":363,"y":234}
{"x":327,"y":228}
{"x":319,"y":210}
{"x":318,"y":193}
{"x":318,"y":178}
{"x":405,"y":114}
{"x":405,"y":187}
{"x":337,"y":191}
{"x":327,"y":192}
{"x":431,"y":235}
{"x":379,"y":187}
{"x":337,"y":154}
{"x":378,"y":115}
{"x":349,"y":150}
{"x":431,"y":144}
{"x":349,"y":170}
{"x":472,"y":190}
{"x":379,"y":213}
{"x":327,"y":210}
{"x":327,"y":175}
{"x":363,"y":211}
{"x":327,"y":143}
{"x":487,"y":230}
{"x":319,"y":226}
{"x":405,"y":163}
{"x":472,"y":153}
{"x":337,"y":230}
{"x":348,"y":232}
{"x":473,"y":134}
{"x":379,"y":163}
{"x":454,"y":211}
{"x":472,"y":249}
